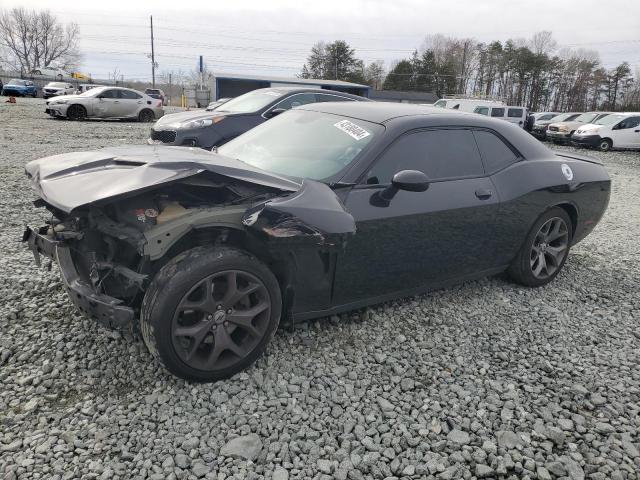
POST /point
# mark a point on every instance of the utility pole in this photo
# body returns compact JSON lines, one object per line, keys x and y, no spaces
{"x":153,"y":58}
{"x":169,"y":88}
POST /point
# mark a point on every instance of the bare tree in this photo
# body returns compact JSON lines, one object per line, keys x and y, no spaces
{"x":543,"y":42}
{"x":33,"y":39}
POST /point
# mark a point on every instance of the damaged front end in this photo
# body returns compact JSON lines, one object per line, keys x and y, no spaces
{"x":110,"y":241}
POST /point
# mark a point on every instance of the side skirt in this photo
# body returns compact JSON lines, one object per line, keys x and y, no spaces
{"x":301,"y":316}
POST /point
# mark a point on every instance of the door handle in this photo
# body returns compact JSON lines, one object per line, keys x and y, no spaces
{"x":637,"y":131}
{"x":483,"y":193}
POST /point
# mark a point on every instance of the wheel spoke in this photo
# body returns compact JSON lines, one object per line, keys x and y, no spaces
{"x":244,"y":318}
{"x":555,"y":254}
{"x":196,"y":333}
{"x":206,"y":303}
{"x":223,"y":342}
{"x":556,"y":232}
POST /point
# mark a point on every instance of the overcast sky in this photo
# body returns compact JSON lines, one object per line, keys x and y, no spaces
{"x":274,"y":36}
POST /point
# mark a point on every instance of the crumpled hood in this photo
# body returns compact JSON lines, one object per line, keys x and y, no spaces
{"x":77,"y":179}
{"x":184,"y":117}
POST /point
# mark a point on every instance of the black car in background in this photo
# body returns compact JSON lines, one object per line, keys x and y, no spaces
{"x":212,"y":128}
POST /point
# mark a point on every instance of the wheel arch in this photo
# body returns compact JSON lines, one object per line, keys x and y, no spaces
{"x":572,"y":211}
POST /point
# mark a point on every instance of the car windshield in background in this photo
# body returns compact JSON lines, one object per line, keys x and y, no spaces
{"x":609,"y":119}
{"x":17,"y":81}
{"x":303,"y":144}
{"x":251,"y":102}
{"x":150,"y":91}
{"x":57,"y":85}
{"x":586,"y":117}
{"x":562,"y":117}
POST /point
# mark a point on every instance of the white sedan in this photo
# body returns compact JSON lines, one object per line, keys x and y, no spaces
{"x":106,"y":102}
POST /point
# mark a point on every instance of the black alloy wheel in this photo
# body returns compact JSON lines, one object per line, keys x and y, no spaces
{"x":209,"y":313}
{"x":545,"y":249}
{"x":146,"y":116}
{"x":76,"y":112}
{"x":605,"y":145}
{"x":549,"y":248}
{"x":221,"y":320}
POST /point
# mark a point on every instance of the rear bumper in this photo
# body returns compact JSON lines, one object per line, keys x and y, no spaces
{"x":586,"y":141}
{"x":106,"y":310}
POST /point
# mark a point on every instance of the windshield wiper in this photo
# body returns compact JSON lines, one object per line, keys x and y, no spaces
{"x":341,"y":184}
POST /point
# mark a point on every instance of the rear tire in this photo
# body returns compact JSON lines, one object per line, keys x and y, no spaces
{"x":146,"y":116}
{"x":545,"y":249}
{"x":605,"y":145}
{"x":210,"y":313}
{"x":76,"y":112}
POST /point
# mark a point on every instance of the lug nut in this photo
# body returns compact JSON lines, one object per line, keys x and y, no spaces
{"x":226,"y":324}
{"x":209,"y":317}
{"x":219,"y":307}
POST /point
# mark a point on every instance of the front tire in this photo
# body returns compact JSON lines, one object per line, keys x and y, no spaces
{"x":76,"y":112}
{"x":605,"y":145}
{"x":210,"y":313}
{"x":545,"y":249}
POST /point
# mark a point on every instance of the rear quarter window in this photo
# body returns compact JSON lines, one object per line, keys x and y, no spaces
{"x":497,"y":112}
{"x":514,"y":113}
{"x":496,"y":154}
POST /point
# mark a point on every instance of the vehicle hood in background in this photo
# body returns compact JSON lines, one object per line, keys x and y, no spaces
{"x":184,"y":117}
{"x":68,"y":97}
{"x":77,"y":179}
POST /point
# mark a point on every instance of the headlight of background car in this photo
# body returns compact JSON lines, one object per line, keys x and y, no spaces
{"x":205,"y":122}
{"x":563,"y":129}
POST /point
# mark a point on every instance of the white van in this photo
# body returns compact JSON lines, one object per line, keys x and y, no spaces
{"x":616,"y":130}
{"x":465,"y":104}
{"x":517,"y":115}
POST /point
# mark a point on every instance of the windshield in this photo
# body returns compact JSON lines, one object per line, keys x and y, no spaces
{"x":564,"y":116}
{"x":57,"y":85}
{"x":609,"y":119}
{"x":586,"y":117}
{"x":252,"y":101}
{"x":303,"y":144}
{"x":17,"y":81}
{"x":441,"y":104}
{"x":93,"y":91}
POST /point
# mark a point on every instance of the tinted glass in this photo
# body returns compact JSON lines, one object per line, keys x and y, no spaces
{"x":609,"y":119}
{"x":497,"y":112}
{"x":321,"y":97}
{"x":495,"y":153}
{"x":303,"y":144}
{"x":16,"y":81}
{"x":630,"y":122}
{"x":129,"y":95}
{"x":109,"y":94}
{"x":482,"y":110}
{"x":439,"y":154}
{"x":297,"y":100}
{"x":514,"y":113}
{"x":548,"y":116}
{"x":586,"y":117}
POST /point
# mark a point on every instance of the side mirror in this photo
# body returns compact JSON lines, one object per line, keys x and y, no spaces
{"x":408,"y":180}
{"x":276,"y":111}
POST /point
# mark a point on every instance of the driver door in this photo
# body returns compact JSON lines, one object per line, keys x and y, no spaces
{"x":424,"y":238}
{"x":107,"y":104}
{"x":627,"y":133}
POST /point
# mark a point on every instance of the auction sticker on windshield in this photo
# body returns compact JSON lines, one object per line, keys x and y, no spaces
{"x":351,"y":129}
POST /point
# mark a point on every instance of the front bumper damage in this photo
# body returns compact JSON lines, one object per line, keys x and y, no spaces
{"x":106,"y":310}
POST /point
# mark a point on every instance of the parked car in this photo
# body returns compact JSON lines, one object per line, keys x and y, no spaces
{"x":84,"y":87}
{"x":540,"y":126}
{"x":53,"y":89}
{"x":560,"y":132}
{"x":616,"y":130}
{"x":106,"y":102}
{"x":51,"y":71}
{"x":216,"y":104}
{"x":17,"y":87}
{"x":466,"y":104}
{"x":516,"y":115}
{"x":542,"y":116}
{"x":208,"y":129}
{"x":325,"y":208}
{"x":156,"y":93}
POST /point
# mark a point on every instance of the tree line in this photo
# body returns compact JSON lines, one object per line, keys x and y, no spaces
{"x":530,"y":72}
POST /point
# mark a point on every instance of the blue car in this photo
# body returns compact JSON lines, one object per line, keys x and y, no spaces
{"x":20,"y":88}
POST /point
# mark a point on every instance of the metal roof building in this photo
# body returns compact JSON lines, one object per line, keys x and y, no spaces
{"x":232,"y":84}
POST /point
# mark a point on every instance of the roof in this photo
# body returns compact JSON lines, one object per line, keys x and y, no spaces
{"x":380,"y":112}
{"x":426,"y":97}
{"x":301,"y":81}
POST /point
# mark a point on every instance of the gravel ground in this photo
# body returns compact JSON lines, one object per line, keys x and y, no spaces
{"x":485,"y":380}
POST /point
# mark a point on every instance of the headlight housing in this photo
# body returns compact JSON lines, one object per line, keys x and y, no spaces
{"x":201,"y":123}
{"x":59,"y":102}
{"x":563,"y":128}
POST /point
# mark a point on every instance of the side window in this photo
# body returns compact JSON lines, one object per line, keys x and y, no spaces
{"x":514,"y":113}
{"x":495,"y":153}
{"x":109,"y":94}
{"x":129,"y":95}
{"x":482,"y":110}
{"x":321,"y":97}
{"x":440,"y":154}
{"x":297,"y":100}
{"x":497,"y":112}
{"x":630,"y":122}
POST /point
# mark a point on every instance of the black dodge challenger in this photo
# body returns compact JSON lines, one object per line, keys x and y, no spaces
{"x":326,"y":208}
